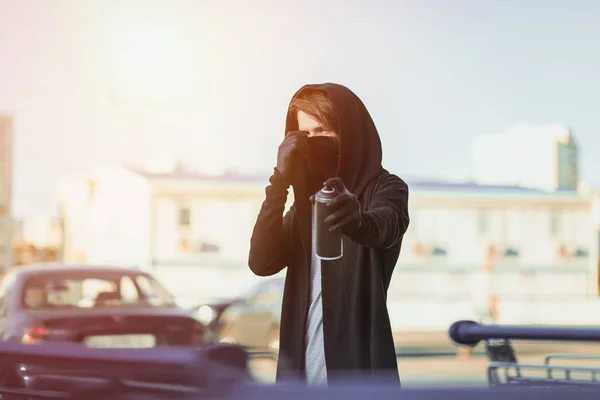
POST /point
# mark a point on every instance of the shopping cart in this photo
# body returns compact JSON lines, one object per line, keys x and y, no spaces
{"x":505,"y":369}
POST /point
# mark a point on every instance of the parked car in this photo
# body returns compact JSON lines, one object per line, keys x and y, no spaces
{"x":250,"y":320}
{"x":106,"y":307}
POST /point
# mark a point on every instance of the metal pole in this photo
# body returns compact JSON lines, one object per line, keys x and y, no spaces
{"x":470,"y":333}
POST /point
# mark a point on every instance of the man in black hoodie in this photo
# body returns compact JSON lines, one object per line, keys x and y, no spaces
{"x":334,"y":319}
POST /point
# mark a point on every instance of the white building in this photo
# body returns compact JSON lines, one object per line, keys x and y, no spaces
{"x":454,"y":224}
{"x":194,"y":232}
{"x":127,"y":215}
{"x":536,"y":156}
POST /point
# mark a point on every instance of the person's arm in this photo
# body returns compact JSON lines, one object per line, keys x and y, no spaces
{"x":383,"y":224}
{"x":269,"y":245}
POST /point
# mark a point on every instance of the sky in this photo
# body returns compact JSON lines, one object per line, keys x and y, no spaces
{"x":209,"y":81}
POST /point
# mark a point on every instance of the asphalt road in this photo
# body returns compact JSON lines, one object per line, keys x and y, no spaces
{"x":440,"y":371}
{"x":418,"y":371}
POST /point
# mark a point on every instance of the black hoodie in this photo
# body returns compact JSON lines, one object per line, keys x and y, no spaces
{"x":357,"y":332}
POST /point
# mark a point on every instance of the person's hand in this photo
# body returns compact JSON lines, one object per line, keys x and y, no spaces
{"x":293,"y":146}
{"x":345,"y":208}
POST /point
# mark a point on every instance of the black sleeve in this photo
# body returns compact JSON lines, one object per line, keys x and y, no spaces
{"x":386,"y":220}
{"x":271,"y":235}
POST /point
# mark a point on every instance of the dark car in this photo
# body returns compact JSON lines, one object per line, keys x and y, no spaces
{"x":251,"y":320}
{"x":107,"y":307}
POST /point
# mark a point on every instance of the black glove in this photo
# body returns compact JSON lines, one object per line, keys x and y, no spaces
{"x":345,"y":208}
{"x":293,"y":147}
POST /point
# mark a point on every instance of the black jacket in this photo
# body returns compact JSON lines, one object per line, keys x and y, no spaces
{"x":357,"y":332}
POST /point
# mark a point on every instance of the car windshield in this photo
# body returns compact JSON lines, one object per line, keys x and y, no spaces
{"x":272,"y":287}
{"x":93,"y":289}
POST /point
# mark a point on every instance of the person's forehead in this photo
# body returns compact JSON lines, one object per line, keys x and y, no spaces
{"x":307,"y":121}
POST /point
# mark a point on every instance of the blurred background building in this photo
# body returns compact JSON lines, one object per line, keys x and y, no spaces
{"x":6,"y":189}
{"x":453,"y":224}
{"x":151,"y":217}
{"x":194,"y":231}
{"x":35,"y":240}
{"x":524,"y":207}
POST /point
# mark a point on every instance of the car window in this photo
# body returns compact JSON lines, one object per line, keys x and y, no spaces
{"x":255,"y":291}
{"x":268,"y":293}
{"x":129,"y":291}
{"x":85,"y":292}
{"x":266,"y":297}
{"x":153,"y":291}
{"x":5,"y":288}
{"x":89,"y":289}
{"x":7,"y":281}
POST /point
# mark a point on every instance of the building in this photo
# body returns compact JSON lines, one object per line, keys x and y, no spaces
{"x":544,"y":247}
{"x":456,"y":224}
{"x":535,"y":156}
{"x":133,"y":216}
{"x":194,"y":231}
{"x":119,"y":214}
{"x":34,"y":240}
{"x":6,"y":172}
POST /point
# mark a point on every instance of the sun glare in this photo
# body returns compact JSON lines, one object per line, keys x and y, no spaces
{"x":148,"y":54}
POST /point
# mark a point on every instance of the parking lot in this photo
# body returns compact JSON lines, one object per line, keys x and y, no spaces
{"x":451,"y":370}
{"x":414,"y":371}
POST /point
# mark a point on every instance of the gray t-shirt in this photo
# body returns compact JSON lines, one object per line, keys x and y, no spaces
{"x":316,"y":369}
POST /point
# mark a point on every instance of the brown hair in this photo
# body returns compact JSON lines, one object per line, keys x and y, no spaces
{"x":316,"y":104}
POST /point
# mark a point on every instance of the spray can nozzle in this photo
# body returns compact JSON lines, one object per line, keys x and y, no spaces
{"x":328,"y":188}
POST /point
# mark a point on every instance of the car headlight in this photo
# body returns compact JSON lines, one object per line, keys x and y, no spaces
{"x":205,"y":314}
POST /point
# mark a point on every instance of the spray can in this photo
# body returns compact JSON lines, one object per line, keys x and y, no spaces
{"x":328,"y":245}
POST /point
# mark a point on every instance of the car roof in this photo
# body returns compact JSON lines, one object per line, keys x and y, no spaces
{"x":33,"y":269}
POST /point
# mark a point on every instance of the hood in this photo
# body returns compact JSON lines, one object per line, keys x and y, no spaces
{"x":360,"y":145}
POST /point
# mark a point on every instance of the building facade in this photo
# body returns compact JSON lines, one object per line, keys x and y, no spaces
{"x":118,"y":214}
{"x":194,"y":232}
{"x":6,"y":173}
{"x":456,"y":224}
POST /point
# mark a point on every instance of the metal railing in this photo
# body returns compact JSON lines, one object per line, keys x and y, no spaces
{"x":504,"y":367}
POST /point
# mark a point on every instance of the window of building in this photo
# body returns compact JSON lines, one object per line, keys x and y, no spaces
{"x":555,"y":223}
{"x":184,"y":244}
{"x":483,"y":222}
{"x":207,"y":247}
{"x":184,"y":216}
{"x":439,"y":251}
{"x":582,"y":253}
{"x":511,"y":252}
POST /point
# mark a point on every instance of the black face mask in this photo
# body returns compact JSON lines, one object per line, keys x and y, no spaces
{"x":322,"y":156}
